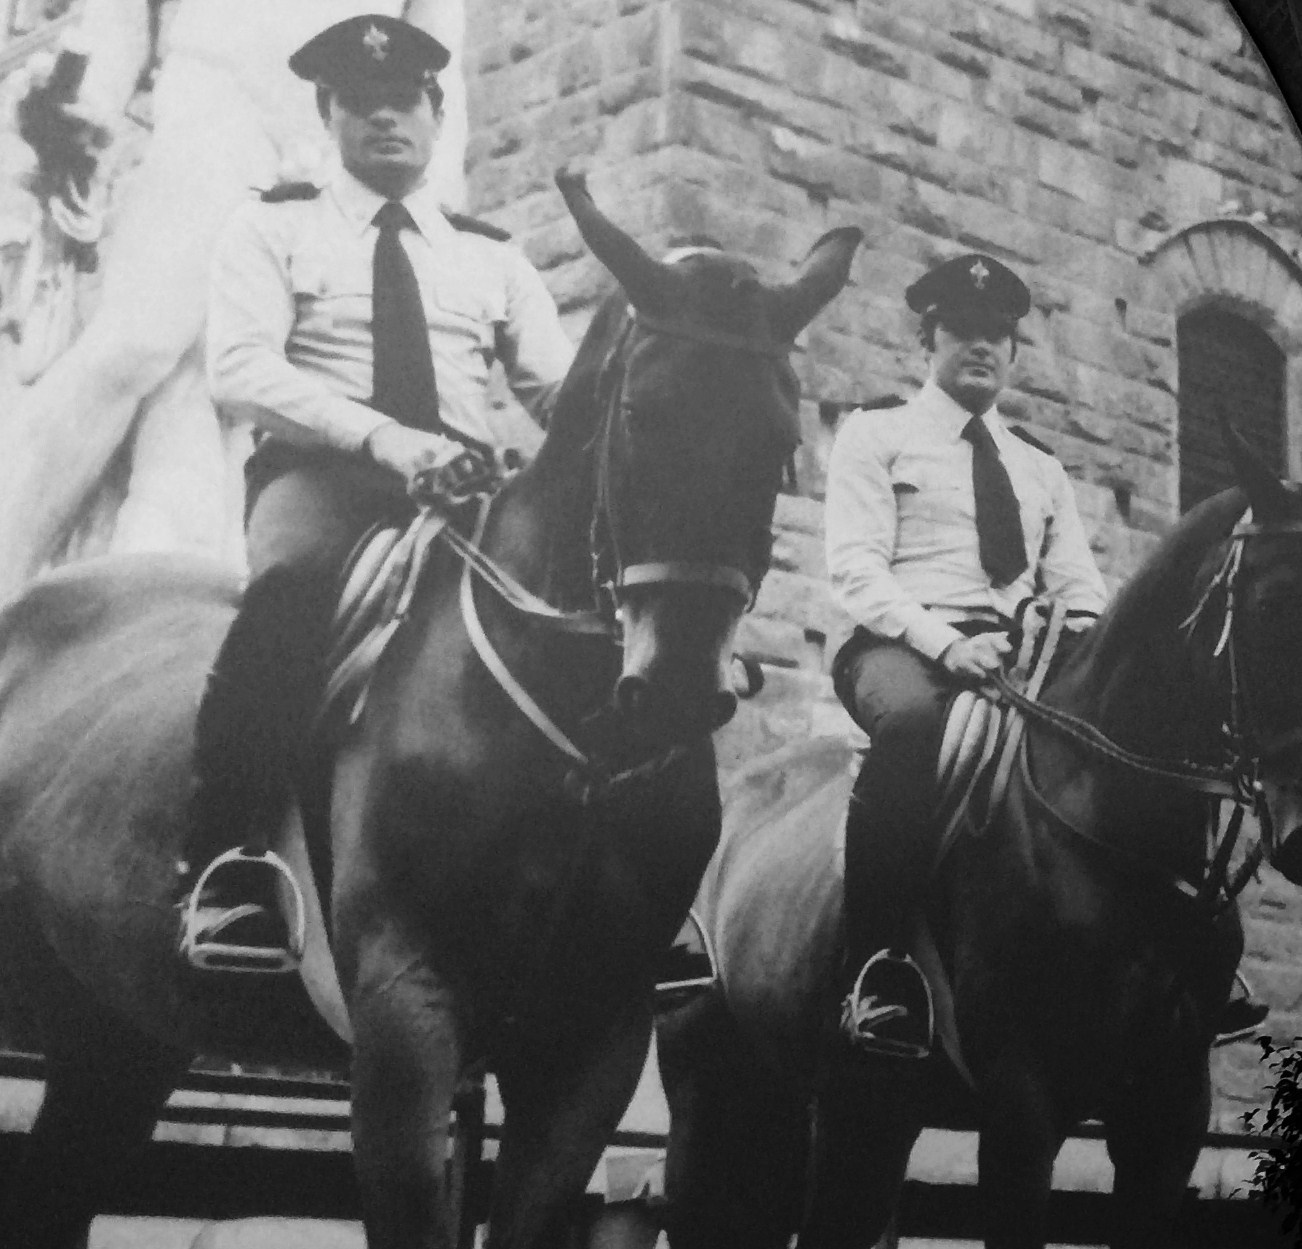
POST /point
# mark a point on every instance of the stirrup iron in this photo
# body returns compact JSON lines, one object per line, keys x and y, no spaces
{"x":857,"y":1017}
{"x":217,"y":955}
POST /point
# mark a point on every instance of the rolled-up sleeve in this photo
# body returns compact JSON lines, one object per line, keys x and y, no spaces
{"x":533,"y":347}
{"x":860,"y":520}
{"x":1068,"y":572}
{"x":250,"y":319}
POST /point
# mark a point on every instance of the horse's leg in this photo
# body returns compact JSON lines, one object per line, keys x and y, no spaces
{"x":738,"y":1135}
{"x":562,"y":1103}
{"x":105,"y":1086}
{"x":863,"y":1136}
{"x":1154,"y":1134}
{"x":1021,"y":1134}
{"x":406,"y":1064}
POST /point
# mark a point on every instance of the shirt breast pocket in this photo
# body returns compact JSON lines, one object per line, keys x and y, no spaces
{"x":928,"y":497}
{"x":331,"y":290}
{"x":456,"y":309}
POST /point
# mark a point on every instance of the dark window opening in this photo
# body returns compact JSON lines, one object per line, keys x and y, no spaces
{"x":1230,"y":365}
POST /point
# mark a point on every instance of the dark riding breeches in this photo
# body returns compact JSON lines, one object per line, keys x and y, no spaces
{"x":304,"y":518}
{"x":898,"y":699}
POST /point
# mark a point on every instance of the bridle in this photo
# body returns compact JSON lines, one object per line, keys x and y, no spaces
{"x":589,"y":778}
{"x":1239,"y":777}
{"x":612,"y":574}
{"x":1249,"y":746}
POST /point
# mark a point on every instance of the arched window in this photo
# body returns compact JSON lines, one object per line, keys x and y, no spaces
{"x":1229,"y":364}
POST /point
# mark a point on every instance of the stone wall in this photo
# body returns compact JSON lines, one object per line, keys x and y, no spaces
{"x":1072,"y":138}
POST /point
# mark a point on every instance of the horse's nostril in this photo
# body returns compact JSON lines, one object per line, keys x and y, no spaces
{"x":631,"y":696}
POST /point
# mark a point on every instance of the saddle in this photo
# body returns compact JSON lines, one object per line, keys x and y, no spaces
{"x":981,"y":738}
{"x":980,"y":745}
{"x":376,"y":589}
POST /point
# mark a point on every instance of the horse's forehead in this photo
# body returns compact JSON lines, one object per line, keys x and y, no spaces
{"x":717,"y":265}
{"x":720,"y":284}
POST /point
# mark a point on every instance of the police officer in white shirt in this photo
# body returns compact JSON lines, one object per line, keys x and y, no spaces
{"x":940,"y":520}
{"x":355,"y":324}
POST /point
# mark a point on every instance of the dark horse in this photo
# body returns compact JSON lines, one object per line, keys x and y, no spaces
{"x":1087,"y":934}
{"x":492,"y":900}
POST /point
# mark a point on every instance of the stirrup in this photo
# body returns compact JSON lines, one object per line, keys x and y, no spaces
{"x":693,"y":971}
{"x":858,"y":1018}
{"x":1250,"y":1016}
{"x":217,"y":955}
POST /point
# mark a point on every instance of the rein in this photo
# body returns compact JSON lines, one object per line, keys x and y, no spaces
{"x":589,"y":779}
{"x":1239,"y":780}
{"x":1206,"y":778}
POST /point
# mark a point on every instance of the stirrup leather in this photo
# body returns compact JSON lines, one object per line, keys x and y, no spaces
{"x":213,"y":954}
{"x":860,"y":1018}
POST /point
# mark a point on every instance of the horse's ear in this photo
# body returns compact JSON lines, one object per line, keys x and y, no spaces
{"x":1270,"y":497}
{"x":823,"y":273}
{"x":646,"y":282}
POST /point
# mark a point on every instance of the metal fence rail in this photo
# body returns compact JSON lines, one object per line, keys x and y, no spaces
{"x":237,"y":1145}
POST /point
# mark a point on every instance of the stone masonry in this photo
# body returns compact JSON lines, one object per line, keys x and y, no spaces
{"x":1079,"y":140}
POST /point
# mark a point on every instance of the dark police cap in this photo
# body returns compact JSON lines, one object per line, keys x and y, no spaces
{"x":371,"y":48}
{"x":974,"y":283}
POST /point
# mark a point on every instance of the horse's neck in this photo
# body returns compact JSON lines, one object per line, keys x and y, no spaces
{"x":541,"y":531}
{"x":1135,"y":683}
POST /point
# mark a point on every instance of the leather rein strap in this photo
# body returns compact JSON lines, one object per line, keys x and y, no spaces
{"x":512,"y":592}
{"x":1239,"y":780}
{"x":589,"y":779}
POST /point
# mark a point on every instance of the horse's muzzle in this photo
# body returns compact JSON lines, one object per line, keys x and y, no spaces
{"x":642,"y":703}
{"x":676,"y":682}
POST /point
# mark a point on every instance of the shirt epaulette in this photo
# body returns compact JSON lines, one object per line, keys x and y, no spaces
{"x":1031,"y":438}
{"x":881,"y":401}
{"x":473,"y":225}
{"x":286,"y":191}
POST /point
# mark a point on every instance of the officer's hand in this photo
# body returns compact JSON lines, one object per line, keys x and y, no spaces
{"x":977,"y":657}
{"x":409,"y":452}
{"x":469,"y":474}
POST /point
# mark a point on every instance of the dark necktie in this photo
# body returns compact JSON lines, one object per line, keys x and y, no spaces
{"x":998,"y":519}
{"x":402,"y":379}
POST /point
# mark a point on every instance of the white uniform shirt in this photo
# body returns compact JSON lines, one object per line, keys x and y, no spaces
{"x":902,"y":546}
{"x":289,"y":320}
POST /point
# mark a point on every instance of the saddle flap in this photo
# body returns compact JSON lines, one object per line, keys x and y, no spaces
{"x":375,"y":593}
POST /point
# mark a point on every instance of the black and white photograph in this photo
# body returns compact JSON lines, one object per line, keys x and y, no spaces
{"x":650,"y":624}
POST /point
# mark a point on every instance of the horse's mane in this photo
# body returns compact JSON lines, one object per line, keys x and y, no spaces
{"x":1162,"y":586}
{"x":1119,"y":668}
{"x":579,"y":389}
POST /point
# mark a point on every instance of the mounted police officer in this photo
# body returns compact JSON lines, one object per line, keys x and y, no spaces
{"x":940,"y":520}
{"x":355,"y":325}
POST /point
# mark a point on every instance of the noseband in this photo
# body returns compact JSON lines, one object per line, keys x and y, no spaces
{"x":610,"y":572}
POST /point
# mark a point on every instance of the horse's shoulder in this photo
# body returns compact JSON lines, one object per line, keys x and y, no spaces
{"x":101,"y":600}
{"x":766,"y":792}
{"x":473,"y":225}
